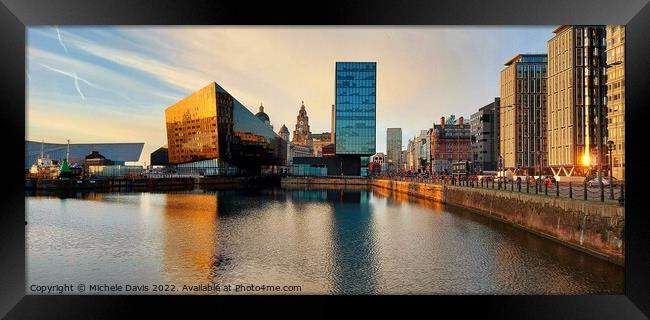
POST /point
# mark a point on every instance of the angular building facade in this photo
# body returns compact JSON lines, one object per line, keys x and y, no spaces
{"x":616,"y":98}
{"x":484,"y":130}
{"x":394,"y":149}
{"x":577,"y":111}
{"x":160,"y":157}
{"x":355,"y":119}
{"x":523,"y":119}
{"x":212,"y":133}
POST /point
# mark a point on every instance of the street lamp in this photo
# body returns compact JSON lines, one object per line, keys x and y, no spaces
{"x":514,"y":134}
{"x":610,"y":146}
{"x":500,"y":164}
{"x":540,"y":157}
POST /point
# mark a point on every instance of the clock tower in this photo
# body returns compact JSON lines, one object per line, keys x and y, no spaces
{"x":302,"y":135}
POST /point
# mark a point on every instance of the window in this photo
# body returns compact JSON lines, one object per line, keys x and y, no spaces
{"x":579,"y":57}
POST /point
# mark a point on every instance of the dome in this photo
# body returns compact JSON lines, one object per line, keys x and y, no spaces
{"x":263,"y":116}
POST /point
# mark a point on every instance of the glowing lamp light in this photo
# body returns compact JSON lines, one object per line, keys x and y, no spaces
{"x":586,"y":161}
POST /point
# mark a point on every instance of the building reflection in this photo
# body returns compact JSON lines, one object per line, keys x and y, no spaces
{"x":354,"y":261}
{"x":189,"y":231}
{"x":67,"y":194}
{"x":398,"y":198}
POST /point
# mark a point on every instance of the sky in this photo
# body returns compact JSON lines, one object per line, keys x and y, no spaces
{"x":112,"y":84}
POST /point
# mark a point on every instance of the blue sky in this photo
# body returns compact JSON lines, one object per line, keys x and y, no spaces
{"x":112,"y":84}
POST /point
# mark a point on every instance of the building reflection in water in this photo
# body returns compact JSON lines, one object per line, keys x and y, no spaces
{"x":66,"y":194}
{"x":396,"y":199}
{"x":189,"y":231}
{"x":354,"y":262}
{"x":327,"y":241}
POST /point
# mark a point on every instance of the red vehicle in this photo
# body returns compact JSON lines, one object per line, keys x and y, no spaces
{"x":549,"y":181}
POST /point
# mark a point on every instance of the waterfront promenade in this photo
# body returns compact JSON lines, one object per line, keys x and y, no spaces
{"x":571,"y":190}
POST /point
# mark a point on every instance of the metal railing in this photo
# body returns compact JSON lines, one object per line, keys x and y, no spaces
{"x":544,"y":187}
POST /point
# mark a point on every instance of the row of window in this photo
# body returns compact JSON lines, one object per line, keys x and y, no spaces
{"x":356,"y":67}
{"x":365,"y":102}
{"x":531,"y":86}
{"x":528,"y":70}
{"x":615,"y":85}
{"x":355,"y":76}
{"x":347,"y":92}
{"x":356,"y":84}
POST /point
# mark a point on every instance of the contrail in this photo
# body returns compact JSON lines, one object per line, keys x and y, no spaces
{"x":58,"y":33}
{"x":76,"y":78}
{"x":71,"y":75}
{"x":76,"y":84}
{"x":90,"y":84}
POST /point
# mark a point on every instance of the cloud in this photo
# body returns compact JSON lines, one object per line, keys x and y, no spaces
{"x":118,"y":83}
{"x":423,"y":72}
{"x":181,"y":77}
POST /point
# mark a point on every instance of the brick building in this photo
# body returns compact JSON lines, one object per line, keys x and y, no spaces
{"x":450,"y":142}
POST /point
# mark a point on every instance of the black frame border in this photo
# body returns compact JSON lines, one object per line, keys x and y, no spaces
{"x":15,"y":15}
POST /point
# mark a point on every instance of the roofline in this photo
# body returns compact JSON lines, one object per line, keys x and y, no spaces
{"x":375,"y":62}
{"x":512,"y":60}
{"x":560,"y":28}
{"x":212,"y":83}
{"x":85,"y":143}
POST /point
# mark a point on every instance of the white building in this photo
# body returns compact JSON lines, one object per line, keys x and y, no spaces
{"x":380,"y":158}
{"x":298,"y":150}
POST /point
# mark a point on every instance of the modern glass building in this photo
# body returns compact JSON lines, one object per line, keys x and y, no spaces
{"x":355,"y":118}
{"x":211,"y":124}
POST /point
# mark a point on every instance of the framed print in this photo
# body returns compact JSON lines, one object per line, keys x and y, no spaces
{"x":487,"y":154}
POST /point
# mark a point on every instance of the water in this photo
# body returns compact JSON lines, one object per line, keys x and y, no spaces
{"x":325,"y":241}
